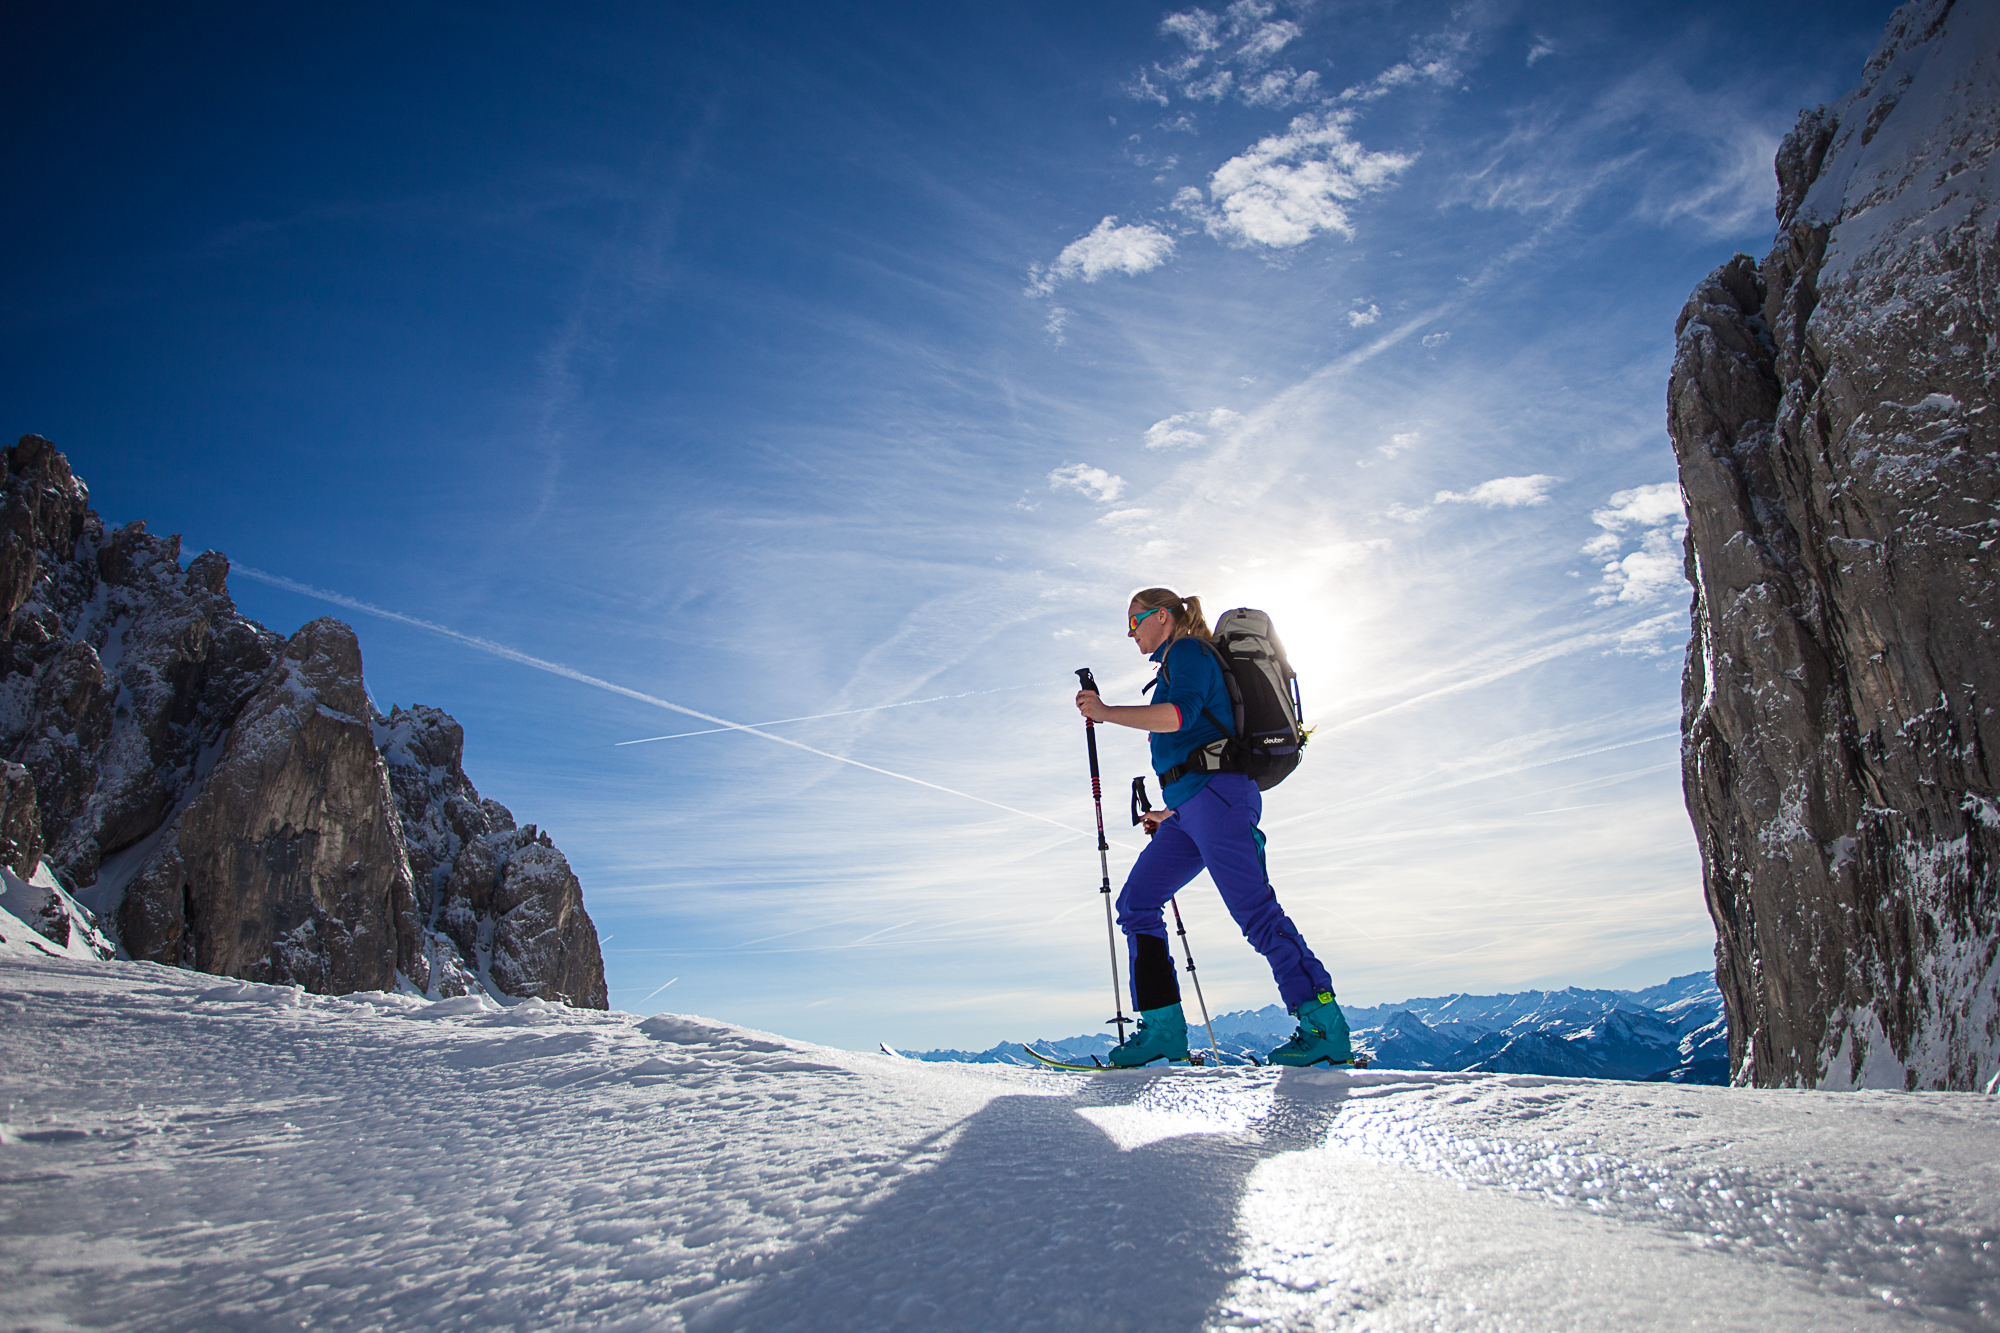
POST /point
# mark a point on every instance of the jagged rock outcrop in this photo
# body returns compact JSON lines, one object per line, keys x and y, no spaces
{"x":288,"y":865}
{"x":20,"y":821}
{"x":501,"y":896}
{"x":1833,"y":410}
{"x":231,"y":799}
{"x":122,"y":668}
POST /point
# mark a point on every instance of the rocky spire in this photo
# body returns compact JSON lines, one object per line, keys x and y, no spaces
{"x":1833,"y":410}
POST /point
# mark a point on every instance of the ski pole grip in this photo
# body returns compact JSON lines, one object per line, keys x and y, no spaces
{"x":1087,"y":681}
{"x":1141,"y":804}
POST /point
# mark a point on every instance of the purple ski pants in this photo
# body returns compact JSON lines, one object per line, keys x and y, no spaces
{"x":1216,"y":830}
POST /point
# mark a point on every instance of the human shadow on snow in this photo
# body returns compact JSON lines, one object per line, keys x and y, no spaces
{"x":1036,"y":1220}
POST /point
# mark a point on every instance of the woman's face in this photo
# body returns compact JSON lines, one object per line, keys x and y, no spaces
{"x":1151,"y":632}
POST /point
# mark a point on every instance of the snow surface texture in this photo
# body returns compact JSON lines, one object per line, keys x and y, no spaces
{"x":183,"y":1152}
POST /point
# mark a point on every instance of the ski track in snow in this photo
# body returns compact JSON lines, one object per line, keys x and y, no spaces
{"x":182,"y":1152}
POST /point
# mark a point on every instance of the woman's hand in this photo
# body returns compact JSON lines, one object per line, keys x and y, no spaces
{"x":1144,"y":717}
{"x":1152,"y":819}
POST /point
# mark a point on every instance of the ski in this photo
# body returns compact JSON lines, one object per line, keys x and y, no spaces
{"x":1050,"y":1062}
{"x":1100,"y":1068}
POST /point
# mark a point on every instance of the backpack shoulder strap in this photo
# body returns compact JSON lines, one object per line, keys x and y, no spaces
{"x":1228,"y":681}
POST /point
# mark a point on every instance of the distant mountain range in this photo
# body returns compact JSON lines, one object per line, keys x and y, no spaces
{"x":1674,"y":1032}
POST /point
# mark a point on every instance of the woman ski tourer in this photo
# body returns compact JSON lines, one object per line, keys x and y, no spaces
{"x":1210,"y":823}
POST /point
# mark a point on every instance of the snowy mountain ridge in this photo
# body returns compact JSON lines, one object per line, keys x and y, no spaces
{"x":1674,"y":1032}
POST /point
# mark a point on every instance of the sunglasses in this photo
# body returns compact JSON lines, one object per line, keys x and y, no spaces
{"x":1141,"y":616}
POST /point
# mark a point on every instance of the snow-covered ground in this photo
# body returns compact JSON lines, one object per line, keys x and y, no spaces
{"x":182,"y":1152}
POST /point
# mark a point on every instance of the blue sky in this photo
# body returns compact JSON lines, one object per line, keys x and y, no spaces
{"x":784,"y":361}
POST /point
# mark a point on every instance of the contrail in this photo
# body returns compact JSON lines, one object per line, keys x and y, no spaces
{"x":658,"y":991}
{"x":501,"y":650}
{"x":814,"y":717}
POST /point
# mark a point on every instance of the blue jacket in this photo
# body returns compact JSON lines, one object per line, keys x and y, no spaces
{"x":1190,"y":680}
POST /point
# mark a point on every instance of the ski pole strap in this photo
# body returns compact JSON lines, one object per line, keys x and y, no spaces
{"x":1140,"y":804}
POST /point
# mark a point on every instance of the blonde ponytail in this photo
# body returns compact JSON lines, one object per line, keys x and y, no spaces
{"x":1186,"y":611}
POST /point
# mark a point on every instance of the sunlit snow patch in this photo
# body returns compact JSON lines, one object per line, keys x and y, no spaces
{"x":1174,"y":1107}
{"x":1841,"y":1222}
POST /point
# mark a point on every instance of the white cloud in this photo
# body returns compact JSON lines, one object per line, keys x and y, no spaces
{"x":1196,"y":27}
{"x":1212,"y":88}
{"x":1436,"y":340}
{"x":1287,"y":188}
{"x":1399,"y":444}
{"x":1642,"y":507}
{"x":1095,"y":482}
{"x":1433,"y":59}
{"x":1058,"y":321}
{"x":1405,"y":514}
{"x":1502,"y":492}
{"x":1210,"y":72}
{"x":1141,"y":89}
{"x":1357,"y":319}
{"x":1177,"y":432}
{"x":1266,"y":41}
{"x":1127,"y":520}
{"x":1543,"y":47}
{"x":1109,"y":248}
{"x":1280,"y":87}
{"x":1654,"y":570}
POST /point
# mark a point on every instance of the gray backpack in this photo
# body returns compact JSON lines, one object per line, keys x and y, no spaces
{"x":1270,"y":732}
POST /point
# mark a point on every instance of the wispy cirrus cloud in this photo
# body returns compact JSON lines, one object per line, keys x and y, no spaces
{"x":1436,"y":58}
{"x":1108,"y":248}
{"x":1679,"y":155}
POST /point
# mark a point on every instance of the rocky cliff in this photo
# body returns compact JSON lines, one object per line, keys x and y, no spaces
{"x":228,"y":799}
{"x":1833,"y":411}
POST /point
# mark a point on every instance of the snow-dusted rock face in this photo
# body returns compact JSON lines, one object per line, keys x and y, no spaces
{"x":1833,"y":411}
{"x":499,"y":896}
{"x":122,"y":669}
{"x":230,"y":800}
{"x":288,"y":866}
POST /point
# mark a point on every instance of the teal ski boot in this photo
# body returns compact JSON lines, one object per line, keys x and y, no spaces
{"x":1162,"y":1035}
{"x":1321,"y":1038}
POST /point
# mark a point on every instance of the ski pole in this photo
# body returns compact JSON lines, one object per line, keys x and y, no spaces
{"x":1181,"y":930}
{"x":1089,"y":682}
{"x":1141,"y":806}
